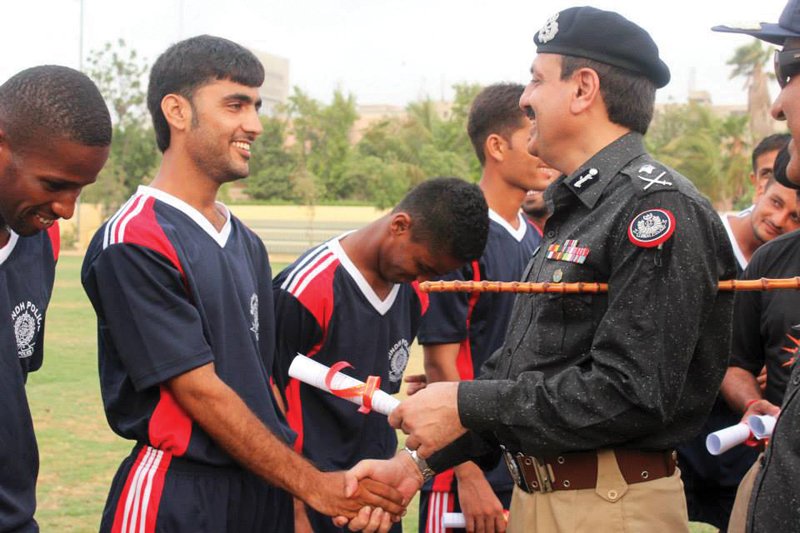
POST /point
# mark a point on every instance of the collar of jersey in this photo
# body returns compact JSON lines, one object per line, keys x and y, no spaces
{"x":518,"y":233}
{"x":220,"y":237}
{"x":737,"y":252}
{"x":609,"y":162}
{"x":5,"y":251}
{"x":381,"y":306}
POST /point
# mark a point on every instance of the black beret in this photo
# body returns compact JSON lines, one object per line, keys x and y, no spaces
{"x":602,"y":36}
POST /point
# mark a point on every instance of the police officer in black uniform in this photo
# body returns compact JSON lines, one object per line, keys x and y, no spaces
{"x":590,"y":393}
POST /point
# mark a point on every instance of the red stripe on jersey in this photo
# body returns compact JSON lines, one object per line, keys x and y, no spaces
{"x":294,"y":412}
{"x":317,"y":296}
{"x":444,"y":482}
{"x":55,"y":239}
{"x":170,"y":428}
{"x":145,"y":230}
{"x":424,"y":298}
{"x":466,"y":371}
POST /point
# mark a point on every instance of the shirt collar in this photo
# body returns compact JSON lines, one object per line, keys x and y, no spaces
{"x":590,"y":180}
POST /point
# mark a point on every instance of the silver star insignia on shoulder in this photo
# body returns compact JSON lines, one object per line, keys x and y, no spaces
{"x":549,"y":30}
{"x":647,"y":169}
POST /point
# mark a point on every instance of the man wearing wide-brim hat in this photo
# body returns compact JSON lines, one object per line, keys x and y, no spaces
{"x":775,"y":501}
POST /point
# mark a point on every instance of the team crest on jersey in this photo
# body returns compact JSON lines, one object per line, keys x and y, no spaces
{"x":651,"y":228}
{"x":254,"y":314}
{"x":27,"y":321}
{"x":398,"y":359}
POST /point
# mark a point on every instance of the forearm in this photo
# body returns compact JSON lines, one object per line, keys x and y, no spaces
{"x":739,"y":387}
{"x":440,"y":362}
{"x":235,"y":428}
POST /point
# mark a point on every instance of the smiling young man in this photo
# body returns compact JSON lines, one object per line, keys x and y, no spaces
{"x":351,"y":299}
{"x":183,"y":296}
{"x":55,"y":133}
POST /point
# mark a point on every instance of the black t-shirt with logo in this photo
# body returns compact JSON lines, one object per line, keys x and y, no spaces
{"x":27,"y":271}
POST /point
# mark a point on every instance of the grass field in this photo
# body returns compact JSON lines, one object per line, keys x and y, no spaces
{"x":79,"y":453}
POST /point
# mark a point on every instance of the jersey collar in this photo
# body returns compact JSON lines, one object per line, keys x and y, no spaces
{"x":518,"y":233}
{"x":381,"y":306}
{"x":220,"y":237}
{"x":5,"y":251}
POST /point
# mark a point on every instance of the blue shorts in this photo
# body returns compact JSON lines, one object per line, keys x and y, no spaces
{"x":171,"y":494}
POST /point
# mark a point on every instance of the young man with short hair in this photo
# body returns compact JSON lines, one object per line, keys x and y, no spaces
{"x":55,"y":132}
{"x":355,"y":298}
{"x":183,"y":296}
{"x":460,"y":330}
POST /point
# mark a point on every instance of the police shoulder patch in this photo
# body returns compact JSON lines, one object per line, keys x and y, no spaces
{"x":650,"y":228}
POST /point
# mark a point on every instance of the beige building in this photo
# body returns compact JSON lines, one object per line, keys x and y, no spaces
{"x":275,"y":89}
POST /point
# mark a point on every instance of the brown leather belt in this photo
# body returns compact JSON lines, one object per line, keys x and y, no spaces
{"x":575,"y":471}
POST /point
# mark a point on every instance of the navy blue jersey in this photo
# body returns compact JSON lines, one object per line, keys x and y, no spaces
{"x":27,"y":271}
{"x":172,"y":294}
{"x":325,"y":309}
{"x":478,"y":321}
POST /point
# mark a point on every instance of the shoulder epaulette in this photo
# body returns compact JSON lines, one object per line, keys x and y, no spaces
{"x":648,"y":176}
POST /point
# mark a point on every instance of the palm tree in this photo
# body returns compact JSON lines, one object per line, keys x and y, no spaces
{"x":748,"y":61}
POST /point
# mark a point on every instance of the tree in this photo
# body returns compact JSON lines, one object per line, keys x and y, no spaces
{"x":748,"y":62}
{"x":118,"y":73}
{"x":272,"y":167}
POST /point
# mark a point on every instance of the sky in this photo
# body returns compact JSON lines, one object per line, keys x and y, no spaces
{"x":382,"y":51}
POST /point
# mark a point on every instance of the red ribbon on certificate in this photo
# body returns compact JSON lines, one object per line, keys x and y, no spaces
{"x":365,"y":391}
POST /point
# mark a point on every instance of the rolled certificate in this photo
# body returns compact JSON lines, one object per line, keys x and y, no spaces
{"x":723,"y":440}
{"x":453,"y":520}
{"x":313,"y":373}
{"x":761,"y":425}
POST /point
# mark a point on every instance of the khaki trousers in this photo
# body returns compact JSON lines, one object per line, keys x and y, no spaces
{"x":613,"y":506}
{"x":738,"y":520}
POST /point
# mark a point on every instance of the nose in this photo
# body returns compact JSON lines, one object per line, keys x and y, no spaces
{"x":64,"y":207}
{"x":253,"y":124}
{"x":523,"y":103}
{"x":777,"y":107}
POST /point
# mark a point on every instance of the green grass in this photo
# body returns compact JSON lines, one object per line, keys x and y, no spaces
{"x":79,"y":453}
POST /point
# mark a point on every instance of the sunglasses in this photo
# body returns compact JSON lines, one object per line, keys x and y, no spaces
{"x":787,"y":64}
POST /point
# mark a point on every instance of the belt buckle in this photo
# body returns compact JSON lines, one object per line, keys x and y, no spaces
{"x":542,"y":471}
{"x":513,"y":469}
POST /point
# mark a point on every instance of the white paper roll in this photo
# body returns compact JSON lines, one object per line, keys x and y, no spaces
{"x":723,"y":440}
{"x":313,"y":373}
{"x":453,"y":520}
{"x":761,"y":425}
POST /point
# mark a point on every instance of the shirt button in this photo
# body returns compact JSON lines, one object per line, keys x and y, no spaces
{"x":550,"y":234}
{"x":612,"y":495}
{"x":796,"y":379}
{"x":508,"y":352}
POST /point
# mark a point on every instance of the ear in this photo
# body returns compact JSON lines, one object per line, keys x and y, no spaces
{"x":5,"y":149}
{"x":400,"y":224}
{"x":177,"y":111}
{"x":494,"y":147}
{"x":587,"y":90}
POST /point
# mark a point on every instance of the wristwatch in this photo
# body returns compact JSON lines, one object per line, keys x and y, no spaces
{"x":426,"y":471}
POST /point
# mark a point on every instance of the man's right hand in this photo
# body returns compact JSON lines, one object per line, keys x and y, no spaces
{"x":482,"y":510}
{"x":761,"y":407}
{"x":416,"y":383}
{"x":342,"y":494}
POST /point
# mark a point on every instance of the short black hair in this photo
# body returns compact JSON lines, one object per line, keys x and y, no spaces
{"x":629,"y":97}
{"x":51,"y":101}
{"x":449,"y":215}
{"x":776,"y":141}
{"x":192,"y":63}
{"x":495,"y":110}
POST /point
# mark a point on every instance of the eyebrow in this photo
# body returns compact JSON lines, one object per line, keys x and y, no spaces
{"x":244,"y":98}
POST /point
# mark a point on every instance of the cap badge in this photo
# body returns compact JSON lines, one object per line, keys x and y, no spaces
{"x":651,"y":228}
{"x":549,"y":30}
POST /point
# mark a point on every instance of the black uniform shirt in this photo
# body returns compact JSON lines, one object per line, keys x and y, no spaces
{"x":638,"y":367}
